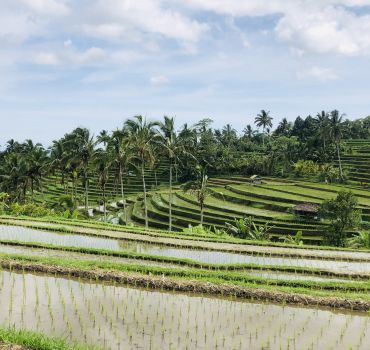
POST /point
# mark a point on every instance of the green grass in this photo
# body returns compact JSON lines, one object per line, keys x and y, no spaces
{"x":103,"y":229}
{"x":348,"y":290}
{"x":188,"y":263}
{"x":36,"y":341}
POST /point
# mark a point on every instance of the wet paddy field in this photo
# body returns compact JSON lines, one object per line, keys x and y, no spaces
{"x":121,"y":317}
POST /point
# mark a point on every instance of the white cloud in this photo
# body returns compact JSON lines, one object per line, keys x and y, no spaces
{"x":326,"y":30}
{"x":159,"y":80}
{"x":117,"y":19}
{"x":318,"y":73}
{"x":320,"y":26}
{"x":46,"y":7}
{"x":92,"y":55}
{"x":46,"y":58}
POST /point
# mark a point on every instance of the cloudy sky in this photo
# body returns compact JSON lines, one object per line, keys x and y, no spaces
{"x":93,"y":63}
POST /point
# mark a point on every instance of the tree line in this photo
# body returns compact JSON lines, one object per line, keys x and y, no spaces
{"x":189,"y":154}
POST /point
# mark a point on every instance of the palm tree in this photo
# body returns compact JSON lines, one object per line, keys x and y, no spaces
{"x":249,"y":132}
{"x":86,"y":148}
{"x":122,"y":156}
{"x":37,"y":162}
{"x":322,"y":120}
{"x":13,"y":176}
{"x":283,"y":129}
{"x":102,"y":161}
{"x":142,"y":136}
{"x":335,"y":129}
{"x":199,"y":186}
{"x":265,"y":120}
{"x":173,"y":148}
{"x":103,"y":137}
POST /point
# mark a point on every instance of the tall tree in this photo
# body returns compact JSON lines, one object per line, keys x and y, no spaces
{"x":335,"y":127}
{"x":263,"y":120}
{"x":143,"y":135}
{"x":199,"y":186}
{"x":122,"y":156}
{"x":102,"y":161}
{"x":322,"y":120}
{"x":172,"y":148}
{"x":85,"y":151}
{"x":249,"y":132}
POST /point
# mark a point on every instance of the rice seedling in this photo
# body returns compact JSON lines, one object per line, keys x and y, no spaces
{"x":113,"y":317}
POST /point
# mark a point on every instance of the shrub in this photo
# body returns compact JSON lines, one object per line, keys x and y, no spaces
{"x":30,"y":209}
{"x":342,"y":214}
{"x":361,"y":240}
{"x":297,"y":239}
{"x":245,"y":228}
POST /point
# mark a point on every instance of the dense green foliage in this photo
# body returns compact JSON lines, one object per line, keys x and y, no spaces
{"x":342,"y":214}
{"x":82,"y":169}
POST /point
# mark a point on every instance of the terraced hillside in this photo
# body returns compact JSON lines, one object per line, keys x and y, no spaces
{"x":273,"y":201}
{"x":53,"y":188}
{"x":356,"y":161}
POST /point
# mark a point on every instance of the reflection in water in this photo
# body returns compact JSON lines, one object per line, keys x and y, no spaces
{"x":116,"y":317}
{"x":203,"y":256}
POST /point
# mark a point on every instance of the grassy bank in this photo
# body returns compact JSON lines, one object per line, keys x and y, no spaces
{"x":26,"y":340}
{"x":245,"y":247}
{"x":188,"y":263}
{"x":348,"y":295}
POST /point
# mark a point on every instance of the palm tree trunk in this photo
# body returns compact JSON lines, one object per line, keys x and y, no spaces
{"x":201,"y":215}
{"x":340,"y":161}
{"x":144,"y":190}
{"x":32,"y":190}
{"x":155,"y":178}
{"x":263,"y":137}
{"x":41,"y":187}
{"x":104,"y":205}
{"x":170,"y":201}
{"x":86,"y":191}
{"x":176,"y":172}
{"x":122,"y":194}
{"x":73,"y":192}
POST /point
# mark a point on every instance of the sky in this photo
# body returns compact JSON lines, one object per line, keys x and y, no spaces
{"x":95,"y":63}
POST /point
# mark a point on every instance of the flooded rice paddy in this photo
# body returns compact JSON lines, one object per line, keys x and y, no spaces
{"x":117,"y":317}
{"x":203,"y":256}
{"x":40,"y":252}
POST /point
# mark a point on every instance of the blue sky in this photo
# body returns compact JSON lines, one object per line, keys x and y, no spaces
{"x":94,"y":63}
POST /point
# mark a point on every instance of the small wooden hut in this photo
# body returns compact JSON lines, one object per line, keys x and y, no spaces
{"x":307,"y":210}
{"x":255,"y":180}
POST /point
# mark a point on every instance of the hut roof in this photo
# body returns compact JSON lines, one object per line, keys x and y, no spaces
{"x":307,"y":207}
{"x":253,"y":177}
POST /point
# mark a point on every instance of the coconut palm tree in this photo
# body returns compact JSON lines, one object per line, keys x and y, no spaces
{"x":119,"y":144}
{"x":13,"y":176}
{"x":102,"y":161}
{"x":37,"y":163}
{"x":263,"y":120}
{"x":173,"y":149}
{"x":143,"y":136}
{"x":199,"y":186}
{"x":283,"y":129}
{"x":322,"y":120}
{"x":335,"y":129}
{"x":85,"y":143}
{"x":248,"y":131}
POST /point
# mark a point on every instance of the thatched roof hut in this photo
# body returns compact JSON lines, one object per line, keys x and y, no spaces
{"x":307,"y":209}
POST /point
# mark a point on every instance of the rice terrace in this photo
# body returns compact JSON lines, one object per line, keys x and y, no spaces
{"x":122,"y":227}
